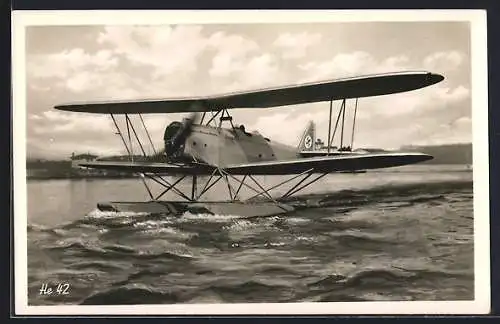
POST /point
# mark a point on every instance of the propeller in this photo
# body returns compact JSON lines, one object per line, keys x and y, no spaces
{"x":175,"y":143}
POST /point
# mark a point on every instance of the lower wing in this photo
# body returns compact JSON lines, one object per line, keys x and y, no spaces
{"x":327,"y":164}
{"x":324,"y":164}
{"x":148,"y":167}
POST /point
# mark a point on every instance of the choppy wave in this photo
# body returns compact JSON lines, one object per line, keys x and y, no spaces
{"x":394,"y":242}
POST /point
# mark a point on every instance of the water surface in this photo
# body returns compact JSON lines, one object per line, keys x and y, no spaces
{"x":395,"y":234}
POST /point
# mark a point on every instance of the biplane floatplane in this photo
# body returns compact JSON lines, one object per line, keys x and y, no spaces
{"x":200,"y":147}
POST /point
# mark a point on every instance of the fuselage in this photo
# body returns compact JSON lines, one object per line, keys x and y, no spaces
{"x":223,"y":146}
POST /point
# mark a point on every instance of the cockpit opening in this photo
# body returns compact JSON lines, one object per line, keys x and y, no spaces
{"x":242,"y":129}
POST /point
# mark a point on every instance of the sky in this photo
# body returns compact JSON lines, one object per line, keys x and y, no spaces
{"x":87,"y":63}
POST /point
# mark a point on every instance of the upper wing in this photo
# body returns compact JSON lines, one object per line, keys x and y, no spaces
{"x":327,"y":164}
{"x":317,"y":164}
{"x":364,"y":86}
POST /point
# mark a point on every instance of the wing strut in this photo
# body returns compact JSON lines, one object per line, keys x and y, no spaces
{"x":342,"y":131}
{"x":120,"y":133}
{"x":282,"y":183}
{"x":330,"y":140}
{"x":342,"y":119}
{"x":131,"y":155}
{"x":330,"y":125}
{"x":194,"y":187}
{"x":168,"y":186}
{"x":213,"y":117}
{"x":147,"y":133}
{"x":129,"y":148}
{"x":207,"y":186}
{"x":354,"y":123}
{"x":224,"y":116}
{"x":295,"y":189}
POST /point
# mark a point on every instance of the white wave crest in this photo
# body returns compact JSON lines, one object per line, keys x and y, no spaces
{"x":98,"y":214}
{"x":211,"y":218}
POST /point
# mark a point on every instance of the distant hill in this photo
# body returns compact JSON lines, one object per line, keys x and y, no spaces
{"x":445,"y":154}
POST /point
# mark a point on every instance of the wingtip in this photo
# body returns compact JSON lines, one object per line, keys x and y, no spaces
{"x":425,"y":157}
{"x":61,"y":107}
{"x":435,"y":77}
{"x":428,"y":157}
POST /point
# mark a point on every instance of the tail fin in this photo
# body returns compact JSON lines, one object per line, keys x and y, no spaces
{"x":307,"y":140}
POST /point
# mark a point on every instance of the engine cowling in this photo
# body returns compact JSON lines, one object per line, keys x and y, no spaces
{"x":175,"y":137}
{"x":172,"y":145}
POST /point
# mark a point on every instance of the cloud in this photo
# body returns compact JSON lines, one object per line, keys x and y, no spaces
{"x":225,"y":64}
{"x":267,"y":126}
{"x":286,"y":124}
{"x":452,"y":95}
{"x":413,"y":115}
{"x":351,"y":64}
{"x":167,"y":49}
{"x":295,"y":46}
{"x":362,"y":63}
{"x":232,"y":53}
{"x":34,"y":117}
{"x":57,"y":134}
{"x":459,"y":131}
{"x":134,"y":62}
{"x":239,"y":63}
{"x":463,"y":121}
{"x":254,"y":72}
{"x":158,"y":61}
{"x":65,"y":63}
{"x":55,"y":122}
{"x":423,"y":101}
{"x":78,"y":72}
{"x":260,"y":70}
{"x":38,"y":87}
{"x":444,"y":61}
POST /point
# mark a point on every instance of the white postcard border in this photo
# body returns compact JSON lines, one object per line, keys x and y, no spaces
{"x":477,"y":19}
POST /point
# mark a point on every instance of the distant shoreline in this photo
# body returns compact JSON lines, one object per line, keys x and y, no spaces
{"x":40,"y":178}
{"x":453,"y":155}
